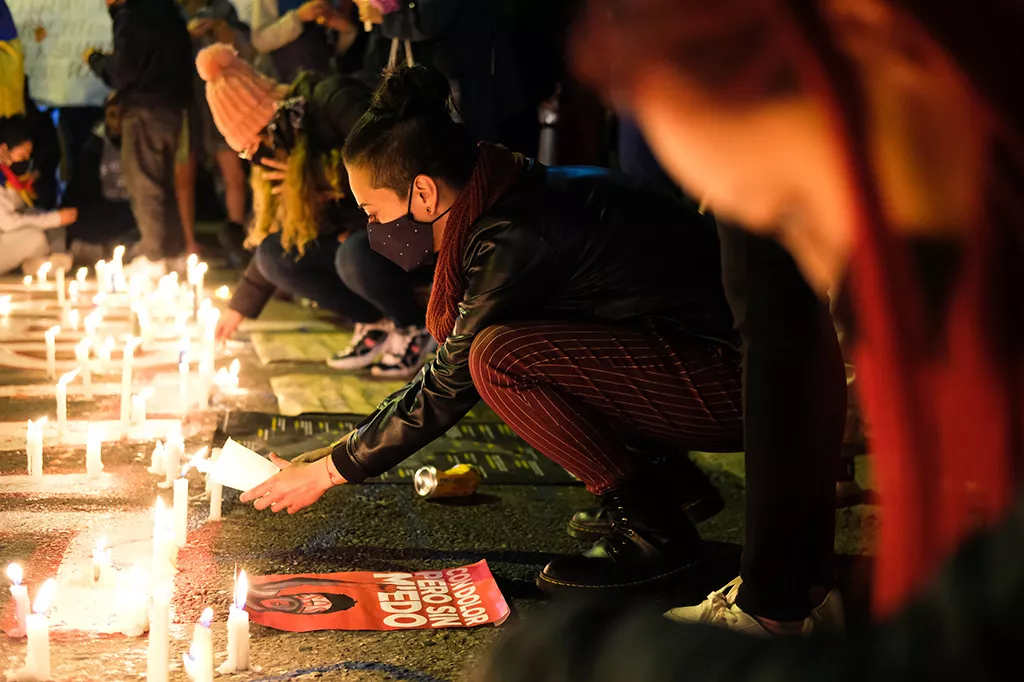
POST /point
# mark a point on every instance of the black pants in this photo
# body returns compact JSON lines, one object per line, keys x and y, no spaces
{"x":349,"y":278}
{"x":149,"y":147}
{"x":794,"y":404}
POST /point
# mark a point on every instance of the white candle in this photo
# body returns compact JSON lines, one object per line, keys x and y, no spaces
{"x":51,"y":351}
{"x":126,"y":382}
{"x":216,"y":500}
{"x":93,"y":452}
{"x":174,"y":451}
{"x":43,"y":271}
{"x":134,"y":604}
{"x":92,"y":321}
{"x":117,"y":282}
{"x":183,"y":389}
{"x":62,"y":402}
{"x":27,"y":281}
{"x":5,"y":305}
{"x":105,"y":350}
{"x":37,"y":625}
{"x":101,"y":563}
{"x":101,"y":275}
{"x":158,"y":654}
{"x":80,"y":276}
{"x":84,"y":364}
{"x":61,"y":291}
{"x":34,"y":447}
{"x":238,"y":628}
{"x":181,"y":511}
{"x":165,"y":551}
{"x":74,"y":318}
{"x":199,"y":660}
{"x":198,"y":285}
{"x":19,"y":593}
{"x":205,"y":383}
{"x":190,"y":268}
{"x":139,"y":408}
{"x":156,"y":460}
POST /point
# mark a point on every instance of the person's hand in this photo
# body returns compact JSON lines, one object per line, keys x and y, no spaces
{"x":227,"y":324}
{"x":68,"y":216}
{"x":368,"y":14}
{"x":199,"y":27}
{"x":312,"y":10}
{"x":274,"y":172}
{"x":295,"y":487}
{"x":336,"y":21}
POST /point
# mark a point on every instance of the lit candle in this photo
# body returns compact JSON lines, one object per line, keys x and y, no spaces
{"x":37,"y":625}
{"x":27,"y":281}
{"x":34,"y":447}
{"x":165,"y":551}
{"x":199,"y":659}
{"x":61,"y":291}
{"x":126,"y":382}
{"x":19,"y":593}
{"x":190,"y":268}
{"x":43,"y":271}
{"x":62,"y":402}
{"x":104,"y":351}
{"x":101,"y":563}
{"x":222,"y":293}
{"x":156,"y":460}
{"x":101,"y":275}
{"x":238,"y":628}
{"x":134,"y":604}
{"x":139,"y":407}
{"x":5,"y":305}
{"x":80,"y":276}
{"x":84,"y":364}
{"x":198,"y":285}
{"x":93,"y":453}
{"x":181,"y":509}
{"x":117,"y":282}
{"x":227,"y":379}
{"x":158,"y":654}
{"x":174,"y":451}
{"x":51,"y":351}
{"x":74,"y":318}
{"x":92,"y":321}
{"x":183,"y":388}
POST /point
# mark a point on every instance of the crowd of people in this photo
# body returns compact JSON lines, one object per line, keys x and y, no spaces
{"x":850,"y":159}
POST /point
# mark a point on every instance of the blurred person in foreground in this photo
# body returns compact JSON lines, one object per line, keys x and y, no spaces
{"x":882,"y":144}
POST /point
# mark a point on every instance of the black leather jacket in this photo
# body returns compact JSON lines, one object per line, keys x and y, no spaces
{"x":564,"y":243}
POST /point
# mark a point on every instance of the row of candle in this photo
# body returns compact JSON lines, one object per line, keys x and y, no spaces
{"x":137,"y":615}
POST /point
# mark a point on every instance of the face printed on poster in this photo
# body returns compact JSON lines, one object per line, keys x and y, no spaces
{"x":460,"y":597}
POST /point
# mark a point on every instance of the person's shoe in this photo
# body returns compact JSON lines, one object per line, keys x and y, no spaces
{"x":140,"y":265}
{"x":698,"y":498}
{"x":720,"y":609}
{"x":651,"y":541}
{"x":366,"y":346}
{"x":405,"y":354}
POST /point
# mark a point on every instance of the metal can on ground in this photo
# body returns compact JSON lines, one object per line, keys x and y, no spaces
{"x":461,"y":480}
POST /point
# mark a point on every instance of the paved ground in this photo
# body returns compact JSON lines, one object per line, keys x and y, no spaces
{"x":368,"y":527}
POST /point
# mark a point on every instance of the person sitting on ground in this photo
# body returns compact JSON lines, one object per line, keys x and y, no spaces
{"x":585,"y":308}
{"x":23,"y":229}
{"x":308,"y":232}
{"x":99,"y":190}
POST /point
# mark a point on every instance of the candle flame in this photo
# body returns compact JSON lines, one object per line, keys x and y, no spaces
{"x":15,"y":573}
{"x":136,"y":578}
{"x":44,"y":269}
{"x":101,"y":544}
{"x":235,"y":366}
{"x":202,"y":268}
{"x":119,"y":252}
{"x":69,"y":377}
{"x":5,"y":300}
{"x":53,"y":331}
{"x":206,"y":619}
{"x":198,"y":460}
{"x":81,"y":274}
{"x":44,"y":597}
{"x":192,"y":260}
{"x":27,"y":281}
{"x":223,"y":293}
{"x":241,"y":590}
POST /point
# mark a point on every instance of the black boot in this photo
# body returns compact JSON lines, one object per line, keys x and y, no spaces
{"x":651,"y":541}
{"x":696,"y":496}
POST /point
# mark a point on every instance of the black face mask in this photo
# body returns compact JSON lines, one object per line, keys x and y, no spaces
{"x":406,"y":241}
{"x":20,"y":168}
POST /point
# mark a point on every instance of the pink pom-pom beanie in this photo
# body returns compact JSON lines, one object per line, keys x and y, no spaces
{"x":241,"y":99}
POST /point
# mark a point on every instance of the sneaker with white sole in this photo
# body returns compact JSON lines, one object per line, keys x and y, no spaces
{"x":720,"y":609}
{"x":406,"y":352}
{"x":367,"y":344}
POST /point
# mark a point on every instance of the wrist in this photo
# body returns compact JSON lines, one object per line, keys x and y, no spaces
{"x":334,"y":477}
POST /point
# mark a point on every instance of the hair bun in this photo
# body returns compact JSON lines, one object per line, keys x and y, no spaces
{"x":213,"y":60}
{"x":412,"y":92}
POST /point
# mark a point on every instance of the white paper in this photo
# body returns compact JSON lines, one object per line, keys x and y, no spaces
{"x":240,"y":468}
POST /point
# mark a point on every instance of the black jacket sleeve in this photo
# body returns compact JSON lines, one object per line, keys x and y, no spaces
{"x":966,"y":625}
{"x":421,"y":20}
{"x":253,"y":292}
{"x":121,"y":69}
{"x":506,"y":270}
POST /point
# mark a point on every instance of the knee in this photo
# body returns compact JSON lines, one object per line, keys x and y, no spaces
{"x":271,"y":260}
{"x":351,"y":260}
{"x":492,"y":355}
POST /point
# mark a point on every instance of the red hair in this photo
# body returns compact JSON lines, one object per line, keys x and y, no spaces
{"x":948,"y":425}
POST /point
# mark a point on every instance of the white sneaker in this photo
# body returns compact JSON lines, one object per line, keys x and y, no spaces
{"x":405,"y":354}
{"x":150,"y":269}
{"x":367,"y":344}
{"x":720,"y":609}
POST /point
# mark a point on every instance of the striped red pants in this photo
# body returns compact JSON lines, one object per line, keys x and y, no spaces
{"x":577,"y":392}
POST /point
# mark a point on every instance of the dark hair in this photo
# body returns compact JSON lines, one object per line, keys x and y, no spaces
{"x":14,"y":131}
{"x":408,"y":131}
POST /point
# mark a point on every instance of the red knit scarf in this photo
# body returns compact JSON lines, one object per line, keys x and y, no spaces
{"x":23,"y":185}
{"x":496,"y":170}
